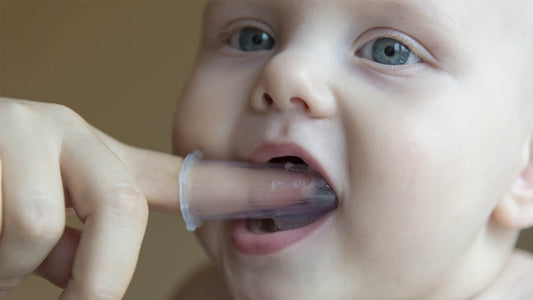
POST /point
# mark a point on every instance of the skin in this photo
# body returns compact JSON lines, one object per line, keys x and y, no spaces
{"x":431,"y":161}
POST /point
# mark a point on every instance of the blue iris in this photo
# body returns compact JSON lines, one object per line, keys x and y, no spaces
{"x":254,"y":39}
{"x":390,"y":52}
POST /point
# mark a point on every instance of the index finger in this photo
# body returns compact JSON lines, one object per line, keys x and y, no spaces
{"x":155,"y":173}
{"x":212,"y":190}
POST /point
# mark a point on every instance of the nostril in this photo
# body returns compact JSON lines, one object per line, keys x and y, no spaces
{"x":268,"y":100}
{"x":300,"y":101}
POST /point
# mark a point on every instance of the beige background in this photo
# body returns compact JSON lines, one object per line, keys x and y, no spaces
{"x":121,"y":65}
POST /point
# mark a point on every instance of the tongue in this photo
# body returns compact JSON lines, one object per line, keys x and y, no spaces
{"x":281,"y":223}
{"x":296,"y":221}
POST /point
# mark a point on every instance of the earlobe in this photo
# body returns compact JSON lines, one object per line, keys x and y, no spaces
{"x":515,"y":210}
{"x":514,"y":213}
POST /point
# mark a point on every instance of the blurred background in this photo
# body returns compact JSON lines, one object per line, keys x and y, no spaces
{"x":121,"y":65}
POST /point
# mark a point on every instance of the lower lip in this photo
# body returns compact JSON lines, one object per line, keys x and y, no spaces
{"x":247,"y":242}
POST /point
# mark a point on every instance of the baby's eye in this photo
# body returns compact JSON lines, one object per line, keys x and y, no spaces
{"x":252,"y":39}
{"x":388,"y":51}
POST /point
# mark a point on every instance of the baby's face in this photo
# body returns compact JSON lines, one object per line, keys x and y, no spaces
{"x":414,"y":112}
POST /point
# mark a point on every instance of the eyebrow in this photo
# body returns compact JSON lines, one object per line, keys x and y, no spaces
{"x":427,"y":10}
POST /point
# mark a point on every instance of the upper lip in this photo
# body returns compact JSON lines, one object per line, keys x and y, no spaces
{"x":265,"y":152}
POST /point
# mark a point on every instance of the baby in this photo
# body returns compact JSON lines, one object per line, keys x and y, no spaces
{"x":417,"y":113}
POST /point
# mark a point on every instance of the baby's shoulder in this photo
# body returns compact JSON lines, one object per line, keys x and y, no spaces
{"x":522,"y":268}
{"x":516,"y":280}
{"x":206,"y":284}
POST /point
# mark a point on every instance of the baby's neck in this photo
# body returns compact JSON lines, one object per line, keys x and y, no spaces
{"x":514,"y":282}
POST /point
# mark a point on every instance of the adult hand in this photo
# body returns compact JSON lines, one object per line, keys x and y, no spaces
{"x":51,"y":161}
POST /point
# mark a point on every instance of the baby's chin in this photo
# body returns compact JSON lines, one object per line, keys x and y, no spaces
{"x":305,"y":282}
{"x":294,"y":272}
{"x":278,"y":282}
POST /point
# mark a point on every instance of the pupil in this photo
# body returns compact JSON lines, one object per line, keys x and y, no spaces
{"x":390,"y":51}
{"x":257,"y":39}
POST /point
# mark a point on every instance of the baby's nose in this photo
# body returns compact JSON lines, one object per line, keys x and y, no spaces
{"x":291,"y":81}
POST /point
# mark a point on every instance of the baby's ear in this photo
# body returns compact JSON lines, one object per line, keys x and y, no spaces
{"x":515,"y":210}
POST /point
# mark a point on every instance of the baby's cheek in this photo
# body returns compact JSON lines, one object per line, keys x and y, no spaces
{"x":416,"y":185}
{"x":202,"y":120}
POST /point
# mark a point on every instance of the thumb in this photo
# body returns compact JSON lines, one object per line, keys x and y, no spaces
{"x":156,"y":173}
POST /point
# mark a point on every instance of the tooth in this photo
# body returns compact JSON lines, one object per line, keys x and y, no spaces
{"x":289,"y":166}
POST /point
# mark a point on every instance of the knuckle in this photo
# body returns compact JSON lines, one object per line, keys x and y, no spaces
{"x":88,"y":291}
{"x":60,"y":109}
{"x":64,"y":113}
{"x":15,"y":109}
{"x":96,"y":293}
{"x":40,"y":221}
{"x":125,"y":199}
{"x":38,"y":118}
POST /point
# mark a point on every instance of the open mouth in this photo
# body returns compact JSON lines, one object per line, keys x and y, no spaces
{"x":304,"y":216}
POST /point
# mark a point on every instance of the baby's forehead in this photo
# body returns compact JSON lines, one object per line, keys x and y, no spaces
{"x":470,"y":8}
